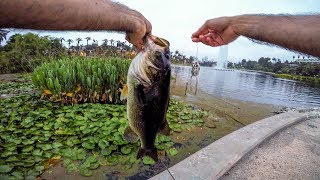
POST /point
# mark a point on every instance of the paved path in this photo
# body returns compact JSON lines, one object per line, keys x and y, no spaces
{"x":293,"y":153}
{"x":217,"y":158}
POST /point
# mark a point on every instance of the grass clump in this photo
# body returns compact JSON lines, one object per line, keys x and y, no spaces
{"x":79,"y":80}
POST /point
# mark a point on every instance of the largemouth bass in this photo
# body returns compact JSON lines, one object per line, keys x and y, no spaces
{"x":148,"y":84}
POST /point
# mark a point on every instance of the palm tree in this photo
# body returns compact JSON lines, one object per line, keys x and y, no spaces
{"x":78,"y":41}
{"x":88,"y":39}
{"x":3,"y":34}
{"x":69,"y":42}
{"x":61,"y":39}
{"x":95,"y":42}
{"x":118,"y":44}
{"x":111,"y":41}
{"x":105,"y":42}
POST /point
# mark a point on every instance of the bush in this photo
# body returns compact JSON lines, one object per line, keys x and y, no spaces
{"x":23,"y":53}
{"x":79,"y":80}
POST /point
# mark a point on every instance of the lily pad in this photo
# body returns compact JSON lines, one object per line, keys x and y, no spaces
{"x":56,"y":144}
{"x":17,"y":175}
{"x":106,"y":152}
{"x":12,"y":159}
{"x":91,"y":159}
{"x":37,"y":152}
{"x":71,"y":167}
{"x":148,"y":160}
{"x":103,"y":144}
{"x":5,"y":168}
{"x":173,"y":151}
{"x":86,"y":172}
{"x":88,"y":145}
{"x":94,"y":165}
{"x":27,"y":149}
{"x":126,"y":150}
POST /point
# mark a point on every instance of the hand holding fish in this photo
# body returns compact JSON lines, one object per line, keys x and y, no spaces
{"x":137,"y":38}
{"x":294,"y":32}
{"x":75,"y":15}
{"x":215,"y":32}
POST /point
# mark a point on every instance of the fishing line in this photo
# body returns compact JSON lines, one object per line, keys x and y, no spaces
{"x":167,"y":168}
{"x":197,"y":51}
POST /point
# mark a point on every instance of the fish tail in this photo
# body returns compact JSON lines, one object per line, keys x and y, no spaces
{"x":153,"y":153}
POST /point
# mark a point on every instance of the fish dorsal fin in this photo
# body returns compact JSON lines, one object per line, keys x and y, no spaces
{"x":124,"y":92}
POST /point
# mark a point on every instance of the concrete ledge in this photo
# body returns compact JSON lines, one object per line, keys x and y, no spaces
{"x":217,"y":158}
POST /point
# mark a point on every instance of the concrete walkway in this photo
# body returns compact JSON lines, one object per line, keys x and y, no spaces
{"x":293,"y":153}
{"x":215,"y":160}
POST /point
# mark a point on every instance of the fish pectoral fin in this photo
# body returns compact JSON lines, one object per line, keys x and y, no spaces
{"x":130,"y":135}
{"x":124,"y":92}
{"x":165,"y":129}
{"x":153,"y":153}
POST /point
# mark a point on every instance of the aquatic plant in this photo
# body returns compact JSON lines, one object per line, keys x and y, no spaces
{"x":78,"y":80}
{"x":15,"y":88}
{"x":35,"y":134}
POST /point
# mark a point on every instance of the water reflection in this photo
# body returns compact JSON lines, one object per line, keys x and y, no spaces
{"x":252,"y":86}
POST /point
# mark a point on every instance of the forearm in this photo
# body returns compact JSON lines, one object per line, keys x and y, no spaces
{"x":299,"y":33}
{"x":68,"y":15}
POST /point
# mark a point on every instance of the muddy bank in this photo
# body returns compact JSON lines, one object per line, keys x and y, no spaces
{"x":241,"y":112}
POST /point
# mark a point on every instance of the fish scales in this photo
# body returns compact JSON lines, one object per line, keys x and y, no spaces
{"x":148,"y":84}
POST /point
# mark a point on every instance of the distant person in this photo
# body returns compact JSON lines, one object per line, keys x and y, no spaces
{"x":294,"y":32}
{"x":75,"y":15}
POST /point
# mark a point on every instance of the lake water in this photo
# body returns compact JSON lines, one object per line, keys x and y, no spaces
{"x":252,"y":86}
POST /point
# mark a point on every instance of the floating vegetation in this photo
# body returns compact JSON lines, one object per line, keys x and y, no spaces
{"x":36,"y":134}
{"x":15,"y":88}
{"x":79,"y":80}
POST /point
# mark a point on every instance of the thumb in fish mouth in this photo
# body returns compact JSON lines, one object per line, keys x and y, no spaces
{"x":159,"y":41}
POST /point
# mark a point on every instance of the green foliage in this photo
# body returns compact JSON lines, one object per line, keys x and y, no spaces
{"x":23,"y":53}
{"x":181,"y":117}
{"x":315,"y":81}
{"x":15,"y":88}
{"x":86,"y":136}
{"x":148,"y":161}
{"x":305,"y":72}
{"x":78,"y":80}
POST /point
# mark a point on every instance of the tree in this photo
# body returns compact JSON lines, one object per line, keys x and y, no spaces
{"x":24,"y":52}
{"x":78,"y":41}
{"x":88,"y":38}
{"x":61,"y":39}
{"x":69,"y":42}
{"x":230,"y":65}
{"x":243,"y":62}
{"x":3,"y":34}
{"x":105,"y":42}
{"x":95,"y":42}
{"x":112,"y":42}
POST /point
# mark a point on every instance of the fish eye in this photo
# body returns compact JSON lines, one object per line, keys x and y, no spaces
{"x":167,"y":55}
{"x":158,"y":54}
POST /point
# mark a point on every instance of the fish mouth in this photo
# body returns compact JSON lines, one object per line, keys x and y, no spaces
{"x":160,"y":41}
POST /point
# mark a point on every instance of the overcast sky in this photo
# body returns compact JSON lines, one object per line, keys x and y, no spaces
{"x":176,"y":20}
